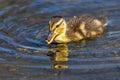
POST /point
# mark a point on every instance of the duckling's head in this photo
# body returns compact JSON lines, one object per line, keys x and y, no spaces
{"x":57,"y":26}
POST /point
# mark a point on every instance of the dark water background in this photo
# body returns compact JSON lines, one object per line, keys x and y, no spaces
{"x":25,"y":56}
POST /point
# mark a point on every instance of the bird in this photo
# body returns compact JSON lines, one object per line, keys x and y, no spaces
{"x":76,"y":28}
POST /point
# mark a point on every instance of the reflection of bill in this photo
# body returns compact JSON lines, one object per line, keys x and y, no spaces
{"x":59,"y":57}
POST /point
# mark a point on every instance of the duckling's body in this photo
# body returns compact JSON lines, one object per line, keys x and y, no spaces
{"x":77,"y":28}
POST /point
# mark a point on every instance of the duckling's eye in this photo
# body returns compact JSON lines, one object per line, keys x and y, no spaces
{"x":57,"y":26}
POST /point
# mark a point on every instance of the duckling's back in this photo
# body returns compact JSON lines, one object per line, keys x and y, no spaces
{"x":87,"y":25}
{"x":103,"y":20}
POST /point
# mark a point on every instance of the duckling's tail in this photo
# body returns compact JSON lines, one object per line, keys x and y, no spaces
{"x":103,"y":20}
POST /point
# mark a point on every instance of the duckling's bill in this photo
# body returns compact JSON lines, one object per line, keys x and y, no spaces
{"x":50,"y":37}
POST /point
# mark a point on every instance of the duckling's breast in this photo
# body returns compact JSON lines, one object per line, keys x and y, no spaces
{"x":62,"y":38}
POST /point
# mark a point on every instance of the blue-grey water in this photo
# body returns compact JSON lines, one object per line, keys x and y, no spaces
{"x":24,"y":55}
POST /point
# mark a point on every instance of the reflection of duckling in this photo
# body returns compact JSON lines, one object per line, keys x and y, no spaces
{"x":77,"y":28}
{"x":59,"y":57}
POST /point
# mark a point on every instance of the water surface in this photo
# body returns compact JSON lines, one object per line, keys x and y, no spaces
{"x":24,"y":55}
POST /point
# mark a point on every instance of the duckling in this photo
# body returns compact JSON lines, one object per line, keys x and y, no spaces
{"x":75,"y":29}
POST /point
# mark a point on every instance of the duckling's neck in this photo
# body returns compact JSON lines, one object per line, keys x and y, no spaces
{"x":62,"y":37}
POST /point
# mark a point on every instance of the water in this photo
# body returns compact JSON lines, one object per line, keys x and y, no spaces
{"x":24,"y":55}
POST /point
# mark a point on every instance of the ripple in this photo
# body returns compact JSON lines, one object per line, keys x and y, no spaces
{"x":97,"y":66}
{"x":11,"y":41}
{"x":95,"y":59}
{"x":25,"y":55}
{"x":7,"y":50}
{"x":113,"y":34}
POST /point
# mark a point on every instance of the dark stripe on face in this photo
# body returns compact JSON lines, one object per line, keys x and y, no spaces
{"x":59,"y":24}
{"x":56,"y":25}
